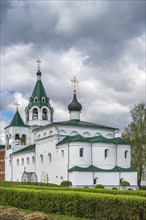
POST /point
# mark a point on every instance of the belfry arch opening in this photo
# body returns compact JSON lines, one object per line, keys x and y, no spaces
{"x":44,"y":114}
{"x":35,"y":114}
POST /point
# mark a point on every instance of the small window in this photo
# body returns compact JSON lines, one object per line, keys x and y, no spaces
{"x":33,"y":160}
{"x":49,"y":158}
{"x":106,"y":153}
{"x":81,"y":152}
{"x":43,"y":100}
{"x":27,"y":160}
{"x":126,"y":154}
{"x":22,"y":162}
{"x":41,"y":158}
{"x":95,"y":180}
{"x":17,"y":162}
{"x":62,"y":153}
{"x":36,"y":99}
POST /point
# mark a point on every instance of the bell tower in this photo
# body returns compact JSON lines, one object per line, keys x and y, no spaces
{"x":39,"y":111}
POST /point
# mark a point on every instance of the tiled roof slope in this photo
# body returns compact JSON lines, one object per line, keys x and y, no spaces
{"x":39,"y":92}
{"x":26,"y":149}
{"x":17,"y":120}
{"x":2,"y":147}
{"x":92,"y":168}
{"x":96,"y":139}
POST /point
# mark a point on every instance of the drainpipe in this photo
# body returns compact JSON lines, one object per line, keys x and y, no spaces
{"x":116,"y":154}
{"x":11,"y":167}
{"x":68,"y":162}
{"x":92,"y":160}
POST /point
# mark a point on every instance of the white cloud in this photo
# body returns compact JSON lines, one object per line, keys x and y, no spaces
{"x":100,"y":44}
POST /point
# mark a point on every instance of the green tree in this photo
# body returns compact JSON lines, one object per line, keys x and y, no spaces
{"x":135,"y":134}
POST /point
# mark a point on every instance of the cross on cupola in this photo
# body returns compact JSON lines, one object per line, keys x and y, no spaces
{"x":39,"y":66}
{"x":74,"y":107}
{"x":74,"y":81}
{"x":17,"y":104}
{"x":39,"y":63}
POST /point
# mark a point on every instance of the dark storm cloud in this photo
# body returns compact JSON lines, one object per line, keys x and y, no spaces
{"x":64,"y":25}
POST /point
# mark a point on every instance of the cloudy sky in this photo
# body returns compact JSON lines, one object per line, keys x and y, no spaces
{"x":102,"y":43}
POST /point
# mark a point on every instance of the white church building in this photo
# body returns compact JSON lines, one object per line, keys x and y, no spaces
{"x":82,"y":152}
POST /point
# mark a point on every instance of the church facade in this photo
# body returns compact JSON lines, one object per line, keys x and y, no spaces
{"x":82,"y":152}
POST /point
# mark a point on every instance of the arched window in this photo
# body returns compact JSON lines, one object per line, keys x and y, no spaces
{"x":27,"y":160}
{"x":62,"y":153}
{"x":49,"y":158}
{"x":23,"y":139}
{"x":17,"y":162}
{"x":36,"y":99}
{"x":41,"y":158}
{"x":44,"y":114}
{"x":81,"y":152}
{"x":51,"y":132}
{"x":95,"y":180}
{"x":106,"y":153}
{"x":43,"y":100}
{"x":35,"y":114}
{"x":61,"y":178}
{"x":22,"y":161}
{"x":39,"y":136}
{"x":17,"y":139}
{"x":33,"y":159}
{"x":126,"y":154}
{"x":45,"y":134}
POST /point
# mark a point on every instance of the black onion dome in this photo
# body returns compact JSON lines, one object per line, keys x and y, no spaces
{"x":74,"y":105}
{"x":38,"y":73}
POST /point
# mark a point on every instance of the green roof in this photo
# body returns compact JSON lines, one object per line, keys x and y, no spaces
{"x":118,"y":140}
{"x":39,"y":92}
{"x":92,"y":168}
{"x":26,"y":149}
{"x":83,"y":124}
{"x":74,"y":138}
{"x":17,"y":121}
{"x":99,"y":139}
{"x":96,"y":139}
{"x":2,"y":147}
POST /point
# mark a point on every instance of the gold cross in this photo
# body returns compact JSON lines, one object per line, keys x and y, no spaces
{"x":39,"y":63}
{"x":17,"y":104}
{"x":75,"y":81}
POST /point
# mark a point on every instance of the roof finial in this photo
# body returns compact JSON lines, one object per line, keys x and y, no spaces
{"x":39,"y":63}
{"x":75,"y":81}
{"x":17,"y":104}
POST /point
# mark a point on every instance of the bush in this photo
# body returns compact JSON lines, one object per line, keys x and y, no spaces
{"x":81,"y":204}
{"x":99,"y":186}
{"x":124,"y":184}
{"x":66,"y":183}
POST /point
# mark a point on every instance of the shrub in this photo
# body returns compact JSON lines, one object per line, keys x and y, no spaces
{"x":66,"y":183}
{"x":124,"y":184}
{"x":99,"y":186}
{"x":81,"y":204}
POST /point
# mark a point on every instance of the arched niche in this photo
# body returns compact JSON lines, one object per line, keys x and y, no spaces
{"x":73,"y":133}
{"x":86,"y":134}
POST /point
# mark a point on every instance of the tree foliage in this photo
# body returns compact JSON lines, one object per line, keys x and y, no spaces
{"x":135,"y":134}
